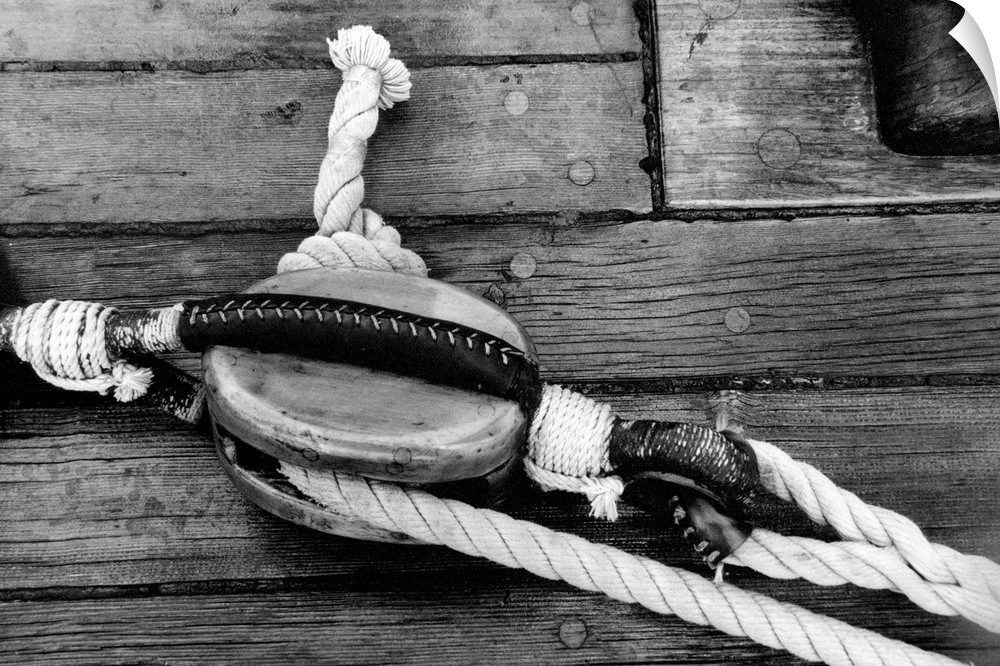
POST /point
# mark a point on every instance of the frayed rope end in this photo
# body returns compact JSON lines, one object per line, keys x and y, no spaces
{"x":360,"y":45}
{"x":130,"y":381}
{"x":603,"y":493}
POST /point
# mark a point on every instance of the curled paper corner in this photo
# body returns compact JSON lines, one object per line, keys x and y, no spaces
{"x":979,"y":33}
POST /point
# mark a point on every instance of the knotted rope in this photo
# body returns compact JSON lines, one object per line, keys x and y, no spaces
{"x":66,"y":343}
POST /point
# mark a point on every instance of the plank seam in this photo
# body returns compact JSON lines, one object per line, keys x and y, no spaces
{"x":651,"y":164}
{"x":254,"y":63}
{"x":354,"y":581}
{"x":556,"y":218}
{"x":30,"y":385}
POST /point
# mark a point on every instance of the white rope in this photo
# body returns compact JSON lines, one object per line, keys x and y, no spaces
{"x":864,"y":565}
{"x":349,"y":235}
{"x":603,"y":492}
{"x":570,"y":432}
{"x":854,"y":520}
{"x":64,"y":341}
{"x":600,"y":568}
{"x":568,"y":449}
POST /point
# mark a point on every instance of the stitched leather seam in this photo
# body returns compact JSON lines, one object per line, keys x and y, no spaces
{"x":376,"y":315}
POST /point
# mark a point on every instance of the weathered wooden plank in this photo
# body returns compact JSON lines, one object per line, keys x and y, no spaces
{"x":494,"y":617}
{"x":257,"y":32}
{"x":112,"y":496}
{"x":107,"y":495}
{"x":639,"y":300}
{"x":770,"y":103}
{"x":175,"y":146}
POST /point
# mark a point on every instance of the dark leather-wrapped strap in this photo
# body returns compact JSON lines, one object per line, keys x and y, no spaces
{"x":719,"y":465}
{"x":705,"y":482}
{"x":350,"y":332}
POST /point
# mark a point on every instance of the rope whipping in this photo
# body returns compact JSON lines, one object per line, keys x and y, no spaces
{"x":67,"y":344}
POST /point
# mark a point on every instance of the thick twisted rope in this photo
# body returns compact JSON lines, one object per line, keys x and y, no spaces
{"x":854,"y":520}
{"x":865,"y":565}
{"x":600,"y":568}
{"x":348,"y":235}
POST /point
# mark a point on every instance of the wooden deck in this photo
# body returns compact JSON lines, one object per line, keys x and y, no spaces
{"x":746,"y":243}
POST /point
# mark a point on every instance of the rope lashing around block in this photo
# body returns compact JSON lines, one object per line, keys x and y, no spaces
{"x":568,"y":449}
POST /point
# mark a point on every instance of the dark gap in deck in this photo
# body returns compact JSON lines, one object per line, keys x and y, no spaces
{"x":780,"y":383}
{"x":458,"y":578}
{"x":645,"y":13}
{"x":557,"y":218}
{"x":25,"y":390}
{"x":254,"y":63}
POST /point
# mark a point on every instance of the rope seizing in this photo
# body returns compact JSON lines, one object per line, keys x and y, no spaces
{"x":65,"y":343}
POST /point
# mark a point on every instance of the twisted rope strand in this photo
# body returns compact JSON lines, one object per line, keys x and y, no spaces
{"x":865,"y":565}
{"x":372,"y":81}
{"x":854,"y":520}
{"x":600,"y":568}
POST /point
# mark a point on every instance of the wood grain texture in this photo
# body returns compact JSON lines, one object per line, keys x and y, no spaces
{"x":174,"y":146}
{"x":932,"y":98}
{"x":855,"y":297}
{"x":770,"y":103}
{"x":103,"y":494}
{"x":305,"y":411}
{"x":257,"y":32}
{"x":131,"y":502}
{"x":494,"y":617}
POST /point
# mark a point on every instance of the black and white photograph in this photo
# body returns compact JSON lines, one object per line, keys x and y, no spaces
{"x":608,"y":332}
